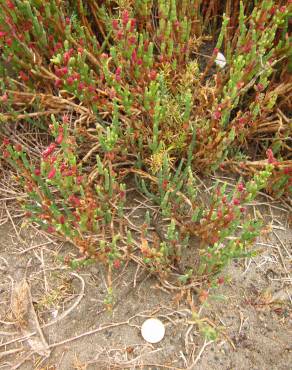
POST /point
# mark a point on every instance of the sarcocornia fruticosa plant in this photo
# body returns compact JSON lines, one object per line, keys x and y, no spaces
{"x":94,"y":94}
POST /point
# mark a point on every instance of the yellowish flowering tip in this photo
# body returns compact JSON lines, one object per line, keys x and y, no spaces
{"x":24,"y":224}
{"x":3,"y":118}
{"x":220,"y":60}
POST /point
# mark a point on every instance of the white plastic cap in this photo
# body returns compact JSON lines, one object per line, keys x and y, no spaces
{"x":153,"y":330}
{"x":220,"y":60}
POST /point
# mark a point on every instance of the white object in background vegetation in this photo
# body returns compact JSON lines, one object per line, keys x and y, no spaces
{"x":153,"y":330}
{"x":220,"y":60}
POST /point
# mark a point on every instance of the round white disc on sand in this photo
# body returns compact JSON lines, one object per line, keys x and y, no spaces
{"x":153,"y":330}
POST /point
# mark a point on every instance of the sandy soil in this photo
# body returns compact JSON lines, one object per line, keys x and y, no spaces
{"x":250,"y":312}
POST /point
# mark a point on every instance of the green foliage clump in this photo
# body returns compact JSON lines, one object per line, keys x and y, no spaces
{"x":134,"y":89}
